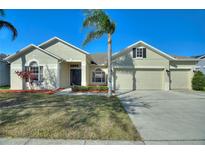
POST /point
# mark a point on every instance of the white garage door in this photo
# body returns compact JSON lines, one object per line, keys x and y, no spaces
{"x":179,"y":79}
{"x":138,"y":79}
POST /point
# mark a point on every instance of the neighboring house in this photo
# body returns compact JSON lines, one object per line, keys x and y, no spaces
{"x":4,"y":71}
{"x":56,"y":63}
{"x":201,"y":64}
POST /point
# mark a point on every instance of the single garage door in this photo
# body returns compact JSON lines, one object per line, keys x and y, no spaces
{"x":179,"y":79}
{"x":129,"y":79}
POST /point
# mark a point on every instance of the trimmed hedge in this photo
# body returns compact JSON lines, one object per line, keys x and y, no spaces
{"x":89,"y":88}
{"x":198,"y":81}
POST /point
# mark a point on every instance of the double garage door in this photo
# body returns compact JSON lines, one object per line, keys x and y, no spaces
{"x":129,"y":79}
{"x":149,"y":79}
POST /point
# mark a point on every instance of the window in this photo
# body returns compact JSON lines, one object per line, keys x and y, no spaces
{"x":37,"y":71}
{"x":98,"y":76}
{"x":139,"y":52}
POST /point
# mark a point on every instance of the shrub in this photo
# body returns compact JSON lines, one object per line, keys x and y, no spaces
{"x":87,"y":88}
{"x":198,"y":81}
{"x":103,"y":88}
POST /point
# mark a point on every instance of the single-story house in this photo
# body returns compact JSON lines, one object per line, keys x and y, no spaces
{"x":4,"y":73}
{"x":201,"y":64}
{"x":57,"y":63}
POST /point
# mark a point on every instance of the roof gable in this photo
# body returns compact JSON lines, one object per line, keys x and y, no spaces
{"x":141,"y":43}
{"x":27,"y":49}
{"x":46,"y":44}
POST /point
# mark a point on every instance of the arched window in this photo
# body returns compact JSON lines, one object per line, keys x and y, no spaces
{"x":36,"y":70}
{"x":98,"y":76}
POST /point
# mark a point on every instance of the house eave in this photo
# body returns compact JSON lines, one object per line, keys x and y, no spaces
{"x":196,"y":60}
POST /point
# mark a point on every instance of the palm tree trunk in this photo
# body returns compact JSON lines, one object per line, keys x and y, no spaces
{"x":109,"y":65}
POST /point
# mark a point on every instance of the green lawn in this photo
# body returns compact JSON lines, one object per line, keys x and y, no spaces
{"x":4,"y":87}
{"x":65,"y":117}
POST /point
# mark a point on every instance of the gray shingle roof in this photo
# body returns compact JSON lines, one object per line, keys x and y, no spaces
{"x":199,"y":56}
{"x":2,"y":56}
{"x":99,"y":58}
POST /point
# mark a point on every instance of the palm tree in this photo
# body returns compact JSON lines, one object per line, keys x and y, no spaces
{"x":101,"y":24}
{"x":5,"y":24}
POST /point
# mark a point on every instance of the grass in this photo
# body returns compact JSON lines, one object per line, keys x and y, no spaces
{"x":4,"y":87}
{"x":64,"y":117}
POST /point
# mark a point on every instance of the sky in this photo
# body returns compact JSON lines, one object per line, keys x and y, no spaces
{"x":176,"y":32}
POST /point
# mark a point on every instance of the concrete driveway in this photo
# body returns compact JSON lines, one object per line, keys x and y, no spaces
{"x":167,"y":117}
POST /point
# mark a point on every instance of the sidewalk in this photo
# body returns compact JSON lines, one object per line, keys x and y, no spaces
{"x":27,"y":141}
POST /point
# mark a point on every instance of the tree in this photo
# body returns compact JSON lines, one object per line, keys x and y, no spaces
{"x":5,"y":24}
{"x":27,"y":76}
{"x":101,"y":24}
{"x":198,"y":81}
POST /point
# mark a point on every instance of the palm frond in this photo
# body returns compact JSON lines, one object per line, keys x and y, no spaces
{"x":100,"y":24}
{"x":5,"y":24}
{"x":90,"y":21}
{"x":92,"y":35}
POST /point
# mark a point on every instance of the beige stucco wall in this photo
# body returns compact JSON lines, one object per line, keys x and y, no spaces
{"x":183,"y":64}
{"x":49,"y":64}
{"x":66,"y":52}
{"x":64,"y":75}
{"x":152,"y":59}
{"x":4,"y":73}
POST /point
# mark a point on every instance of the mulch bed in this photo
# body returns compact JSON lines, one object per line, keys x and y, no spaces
{"x":32,"y":91}
{"x":92,"y":91}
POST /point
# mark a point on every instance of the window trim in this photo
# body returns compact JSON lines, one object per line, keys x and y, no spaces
{"x":40,"y":79}
{"x":136,"y":50}
{"x":102,"y":72}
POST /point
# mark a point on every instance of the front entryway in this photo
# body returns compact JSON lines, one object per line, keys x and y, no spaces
{"x":75,"y":76}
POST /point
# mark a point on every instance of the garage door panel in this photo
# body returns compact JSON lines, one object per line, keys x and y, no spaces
{"x":123,"y":80}
{"x":148,"y":79}
{"x":179,"y":79}
{"x":138,"y":79}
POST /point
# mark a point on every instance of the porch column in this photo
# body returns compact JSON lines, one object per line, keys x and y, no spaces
{"x":83,"y":74}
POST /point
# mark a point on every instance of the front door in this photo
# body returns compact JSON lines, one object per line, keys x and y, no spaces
{"x":75,"y":77}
